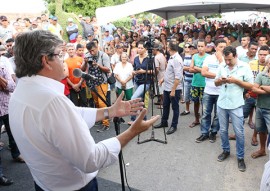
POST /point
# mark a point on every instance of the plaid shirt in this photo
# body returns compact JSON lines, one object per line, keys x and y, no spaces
{"x":5,"y":94}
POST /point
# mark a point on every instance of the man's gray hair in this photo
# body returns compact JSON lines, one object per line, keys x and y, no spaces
{"x":29,"y":49}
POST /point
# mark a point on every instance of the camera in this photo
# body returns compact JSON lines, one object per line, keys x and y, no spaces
{"x":149,"y":44}
{"x":90,"y":59}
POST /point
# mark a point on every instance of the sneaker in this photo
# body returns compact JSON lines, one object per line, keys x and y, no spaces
{"x":201,"y":138}
{"x":4,"y":181}
{"x":212,"y":137}
{"x":241,"y":165}
{"x":103,"y":128}
{"x":223,"y":156}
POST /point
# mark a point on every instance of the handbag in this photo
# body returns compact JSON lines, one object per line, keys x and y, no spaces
{"x":111,"y":79}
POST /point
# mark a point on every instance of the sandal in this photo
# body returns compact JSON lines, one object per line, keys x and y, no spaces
{"x":254,"y":143}
{"x":160,"y":107}
{"x":194,"y":124}
{"x":185,"y":113}
{"x":251,"y":125}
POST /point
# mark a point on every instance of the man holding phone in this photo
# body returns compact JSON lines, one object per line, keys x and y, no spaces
{"x":233,"y":76}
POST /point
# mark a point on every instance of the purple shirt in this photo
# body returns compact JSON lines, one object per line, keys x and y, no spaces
{"x":5,"y":94}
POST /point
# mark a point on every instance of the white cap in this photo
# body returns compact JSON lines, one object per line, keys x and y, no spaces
{"x":70,"y":20}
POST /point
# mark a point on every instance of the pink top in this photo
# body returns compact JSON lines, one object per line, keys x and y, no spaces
{"x":133,"y":53}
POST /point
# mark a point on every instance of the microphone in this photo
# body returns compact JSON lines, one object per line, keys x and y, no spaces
{"x":80,"y":74}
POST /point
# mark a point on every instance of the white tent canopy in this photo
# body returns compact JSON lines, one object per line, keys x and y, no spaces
{"x":174,"y":8}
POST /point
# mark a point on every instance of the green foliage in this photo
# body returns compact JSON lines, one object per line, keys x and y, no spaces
{"x":125,"y":23}
{"x":84,"y":7}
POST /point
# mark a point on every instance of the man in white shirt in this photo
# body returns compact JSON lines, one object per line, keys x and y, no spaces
{"x":58,"y":148}
{"x":209,"y":126}
{"x":243,"y":49}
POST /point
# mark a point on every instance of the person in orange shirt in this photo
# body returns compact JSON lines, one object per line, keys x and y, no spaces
{"x":76,"y":85}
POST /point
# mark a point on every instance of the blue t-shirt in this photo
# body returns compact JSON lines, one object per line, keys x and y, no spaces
{"x":145,"y":65}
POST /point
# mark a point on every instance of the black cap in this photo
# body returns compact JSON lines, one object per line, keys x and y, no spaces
{"x":3,"y":18}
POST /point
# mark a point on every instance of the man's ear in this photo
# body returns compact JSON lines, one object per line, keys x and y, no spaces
{"x":45,"y":62}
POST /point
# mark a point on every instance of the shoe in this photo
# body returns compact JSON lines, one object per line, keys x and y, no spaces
{"x":161,"y":125}
{"x":201,"y":138}
{"x":212,"y":137}
{"x":157,"y":103}
{"x":185,"y":113}
{"x":241,"y":165}
{"x":98,"y":123}
{"x":171,"y":130}
{"x":4,"y":181}
{"x":122,"y":120}
{"x":223,"y":156}
{"x":103,"y":128}
{"x":19,"y":159}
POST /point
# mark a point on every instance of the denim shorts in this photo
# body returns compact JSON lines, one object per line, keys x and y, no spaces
{"x":250,"y":103}
{"x":196,"y":93}
{"x":187,"y":88}
{"x":262,"y":121}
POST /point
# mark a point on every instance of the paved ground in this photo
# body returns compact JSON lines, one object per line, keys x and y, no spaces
{"x":180,"y":165}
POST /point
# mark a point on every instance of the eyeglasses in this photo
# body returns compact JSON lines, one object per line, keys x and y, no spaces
{"x":187,"y":46}
{"x":135,"y":36}
{"x":60,"y":55}
{"x":4,"y":20}
{"x":8,"y":45}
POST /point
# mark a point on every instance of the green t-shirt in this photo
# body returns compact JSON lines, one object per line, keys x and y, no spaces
{"x":198,"y":80}
{"x":263,"y":100}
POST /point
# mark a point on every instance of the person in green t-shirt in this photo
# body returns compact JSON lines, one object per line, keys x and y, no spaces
{"x":198,"y":81}
{"x":262,"y":122}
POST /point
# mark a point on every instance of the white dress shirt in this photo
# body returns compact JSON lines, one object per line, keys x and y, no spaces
{"x":53,"y":135}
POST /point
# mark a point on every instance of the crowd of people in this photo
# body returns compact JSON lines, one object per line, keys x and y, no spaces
{"x":222,"y":68}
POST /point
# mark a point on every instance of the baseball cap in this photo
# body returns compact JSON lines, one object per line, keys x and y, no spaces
{"x":3,"y":18}
{"x":54,"y":18}
{"x":157,"y":46}
{"x":70,"y":20}
{"x":90,"y":34}
{"x":234,"y":34}
{"x":118,"y":46}
{"x":190,"y":45}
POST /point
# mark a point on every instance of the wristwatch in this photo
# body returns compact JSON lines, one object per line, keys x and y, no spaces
{"x":106,"y":113}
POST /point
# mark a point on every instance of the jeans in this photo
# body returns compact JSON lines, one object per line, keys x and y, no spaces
{"x":167,"y":100}
{"x":209,"y":103}
{"x":238,"y":126}
{"x":139,"y":93}
{"x":13,"y":146}
{"x":1,"y":168}
{"x":91,"y":186}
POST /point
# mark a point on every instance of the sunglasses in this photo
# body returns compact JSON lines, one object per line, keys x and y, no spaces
{"x":187,"y":46}
{"x":4,"y":20}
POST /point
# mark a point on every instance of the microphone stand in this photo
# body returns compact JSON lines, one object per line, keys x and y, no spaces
{"x":116,"y":121}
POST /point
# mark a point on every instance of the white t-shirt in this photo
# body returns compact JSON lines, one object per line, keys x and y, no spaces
{"x":241,"y":51}
{"x":212,"y":63}
{"x":124,"y":73}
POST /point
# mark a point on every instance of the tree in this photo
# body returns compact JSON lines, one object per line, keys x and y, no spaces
{"x":84,"y":7}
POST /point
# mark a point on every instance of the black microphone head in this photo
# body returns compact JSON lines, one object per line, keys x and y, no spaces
{"x":77,"y":72}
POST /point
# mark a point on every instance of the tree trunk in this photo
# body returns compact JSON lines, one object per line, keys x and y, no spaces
{"x":58,"y":7}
